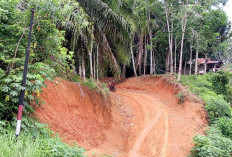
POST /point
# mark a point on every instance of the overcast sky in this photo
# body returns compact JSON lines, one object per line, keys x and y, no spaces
{"x":228,"y":9}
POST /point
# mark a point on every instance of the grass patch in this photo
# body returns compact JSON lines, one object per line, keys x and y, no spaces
{"x":180,"y":97}
{"x":34,"y":141}
{"x":92,"y":84}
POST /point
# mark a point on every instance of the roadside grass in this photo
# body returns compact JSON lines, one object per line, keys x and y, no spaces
{"x":34,"y":141}
{"x":92,"y":84}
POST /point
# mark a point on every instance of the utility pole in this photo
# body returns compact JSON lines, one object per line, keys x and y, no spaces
{"x":21,"y":99}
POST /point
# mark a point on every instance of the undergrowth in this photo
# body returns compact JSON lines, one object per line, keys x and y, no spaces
{"x":92,"y":84}
{"x":35,"y":140}
{"x":215,"y":90}
{"x":180,"y":97}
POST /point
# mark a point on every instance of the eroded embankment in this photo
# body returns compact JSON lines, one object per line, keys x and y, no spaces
{"x":145,"y":118}
{"x":77,"y":113}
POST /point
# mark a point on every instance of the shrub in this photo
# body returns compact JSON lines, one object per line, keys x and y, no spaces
{"x":215,"y":90}
{"x":10,"y":87}
{"x":92,"y":84}
{"x":212,"y":145}
{"x":29,"y":146}
{"x":180,"y":96}
{"x":217,"y":107}
{"x":224,"y":125}
{"x":221,"y":85}
{"x":36,"y":140}
{"x":210,"y":84}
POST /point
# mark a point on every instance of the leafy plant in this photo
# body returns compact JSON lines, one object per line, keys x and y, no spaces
{"x":36,"y":141}
{"x":180,"y":97}
{"x":217,"y":107}
{"x":224,"y":125}
{"x":10,"y":88}
{"x":213,"y":145}
{"x":220,"y":82}
{"x":217,"y":141}
{"x":92,"y":84}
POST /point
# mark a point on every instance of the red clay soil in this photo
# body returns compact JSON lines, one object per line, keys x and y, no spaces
{"x":142,"y":118}
{"x":76,"y":118}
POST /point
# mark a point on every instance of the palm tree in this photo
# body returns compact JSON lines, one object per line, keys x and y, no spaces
{"x":111,"y":31}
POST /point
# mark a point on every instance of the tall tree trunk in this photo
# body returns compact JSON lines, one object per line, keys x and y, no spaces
{"x":94,"y":66}
{"x":183,"y":27}
{"x":80,"y":69}
{"x":132,"y":57}
{"x":167,"y":60}
{"x":151,"y":43}
{"x":170,"y":41}
{"x":196,"y":62}
{"x":185,"y":66}
{"x":175,"y":56}
{"x":151,"y":54}
{"x":16,"y":50}
{"x":83,"y":68}
{"x":97,"y":62}
{"x":140,"y":69}
{"x":181,"y":56}
{"x":124,"y":71}
{"x":91,"y":60}
{"x":154,"y":64}
{"x":205,"y":65}
{"x":145,"y":57}
{"x":171,"y":53}
{"x":191,"y":58}
{"x":140,"y":54}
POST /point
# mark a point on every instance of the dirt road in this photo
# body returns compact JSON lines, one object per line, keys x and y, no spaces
{"x":152,"y":111}
{"x":143,"y":120}
{"x":154,"y":123}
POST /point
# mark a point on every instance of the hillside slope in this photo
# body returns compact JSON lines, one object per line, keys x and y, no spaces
{"x":142,"y":118}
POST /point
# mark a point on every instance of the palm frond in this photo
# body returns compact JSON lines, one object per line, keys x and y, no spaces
{"x":109,"y":21}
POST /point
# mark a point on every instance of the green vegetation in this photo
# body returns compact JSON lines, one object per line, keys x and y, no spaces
{"x":48,"y":59}
{"x":92,"y":84}
{"x":35,"y":140}
{"x":181,"y":98}
{"x":83,"y":41}
{"x":218,"y":138}
{"x":213,"y":144}
{"x":210,"y":86}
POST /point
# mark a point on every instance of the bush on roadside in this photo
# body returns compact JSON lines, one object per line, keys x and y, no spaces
{"x":215,"y":90}
{"x":212,"y":145}
{"x":35,"y":140}
{"x":224,"y":125}
{"x":11,"y":86}
{"x":217,"y":107}
{"x":220,"y":84}
{"x":180,"y":97}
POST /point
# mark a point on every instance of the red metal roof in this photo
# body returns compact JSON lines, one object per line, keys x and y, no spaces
{"x":213,"y":62}
{"x":202,"y":61}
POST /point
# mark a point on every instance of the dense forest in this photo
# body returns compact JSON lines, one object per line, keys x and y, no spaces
{"x":93,"y":39}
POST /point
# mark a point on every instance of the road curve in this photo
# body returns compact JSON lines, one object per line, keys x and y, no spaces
{"x":153,"y":112}
{"x":158,"y":125}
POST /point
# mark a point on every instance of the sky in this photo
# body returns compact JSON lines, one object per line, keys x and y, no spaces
{"x":228,"y":9}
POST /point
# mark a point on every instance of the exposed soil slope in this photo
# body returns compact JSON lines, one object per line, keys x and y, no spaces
{"x":75,"y":112}
{"x":144,"y":118}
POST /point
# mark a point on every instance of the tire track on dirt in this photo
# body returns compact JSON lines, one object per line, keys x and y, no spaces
{"x":163,"y":152}
{"x":153,"y":112}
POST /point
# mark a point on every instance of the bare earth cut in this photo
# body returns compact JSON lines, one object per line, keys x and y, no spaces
{"x":142,"y":118}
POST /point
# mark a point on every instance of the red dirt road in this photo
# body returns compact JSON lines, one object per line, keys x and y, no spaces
{"x":145,"y":119}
